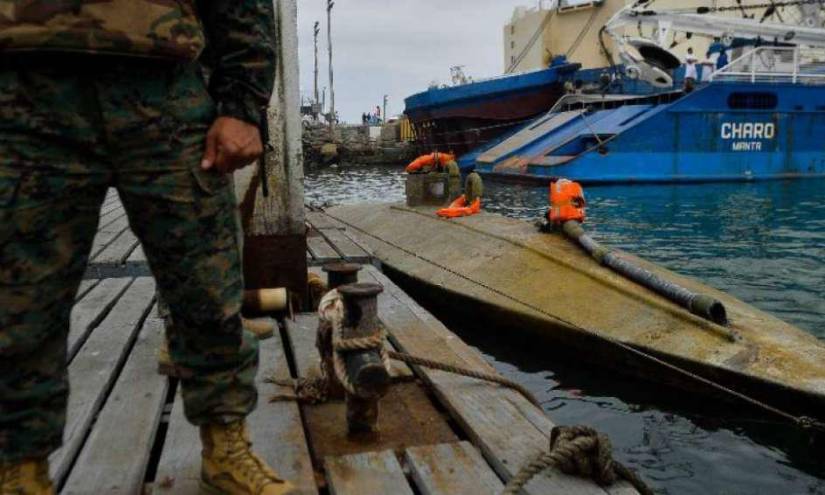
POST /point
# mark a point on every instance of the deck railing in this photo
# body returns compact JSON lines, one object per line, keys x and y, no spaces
{"x":775,"y":64}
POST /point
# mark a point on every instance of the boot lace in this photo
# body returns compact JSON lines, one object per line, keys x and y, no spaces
{"x":245,"y":462}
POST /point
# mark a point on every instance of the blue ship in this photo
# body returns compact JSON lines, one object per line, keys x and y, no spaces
{"x":762,"y":117}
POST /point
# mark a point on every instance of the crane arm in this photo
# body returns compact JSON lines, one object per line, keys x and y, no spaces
{"x":714,"y":25}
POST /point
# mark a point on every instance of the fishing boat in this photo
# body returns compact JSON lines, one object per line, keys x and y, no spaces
{"x":543,"y":284}
{"x":759,"y":117}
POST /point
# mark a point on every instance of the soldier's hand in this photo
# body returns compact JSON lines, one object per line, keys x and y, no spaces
{"x":231,"y":144}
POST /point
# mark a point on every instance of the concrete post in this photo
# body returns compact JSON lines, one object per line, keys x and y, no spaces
{"x":274,"y":226}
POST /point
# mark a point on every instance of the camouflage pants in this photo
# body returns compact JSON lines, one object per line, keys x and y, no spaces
{"x":67,"y":134}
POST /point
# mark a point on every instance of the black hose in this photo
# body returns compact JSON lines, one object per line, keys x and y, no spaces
{"x":699,"y":304}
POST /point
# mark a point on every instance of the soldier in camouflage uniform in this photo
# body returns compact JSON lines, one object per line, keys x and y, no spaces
{"x":104,"y":93}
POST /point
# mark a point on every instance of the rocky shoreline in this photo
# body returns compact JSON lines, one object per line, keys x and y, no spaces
{"x":355,"y":145}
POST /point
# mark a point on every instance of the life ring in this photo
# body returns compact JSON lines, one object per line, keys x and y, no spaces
{"x":460,"y":208}
{"x":425,"y":162}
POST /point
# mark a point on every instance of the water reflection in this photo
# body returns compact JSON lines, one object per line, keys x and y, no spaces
{"x":762,"y":242}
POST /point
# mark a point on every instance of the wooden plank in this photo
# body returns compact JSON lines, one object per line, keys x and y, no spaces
{"x":348,"y":249}
{"x":451,"y":469}
{"x":114,"y":224}
{"x":302,"y":333}
{"x":120,"y":249}
{"x":321,"y":251}
{"x":137,"y":256}
{"x":104,"y":237}
{"x":371,"y":473}
{"x":84,"y":288}
{"x":117,"y":452}
{"x":90,"y":311}
{"x":275,"y":428}
{"x":95,"y":369}
{"x":320,"y":221}
{"x":507,"y":428}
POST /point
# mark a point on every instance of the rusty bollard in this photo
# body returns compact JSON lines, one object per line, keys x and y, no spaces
{"x":341,"y":274}
{"x":338,"y":274}
{"x":365,"y":369}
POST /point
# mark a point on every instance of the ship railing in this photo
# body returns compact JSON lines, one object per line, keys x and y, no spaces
{"x":775,"y":64}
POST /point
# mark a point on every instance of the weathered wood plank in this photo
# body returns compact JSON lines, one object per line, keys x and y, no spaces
{"x":90,"y":311}
{"x":120,"y":249}
{"x":84,"y":288}
{"x":114,"y":224}
{"x":320,"y":221}
{"x":504,"y":425}
{"x":451,"y":469}
{"x":275,"y":428}
{"x":348,"y":249}
{"x":372,"y":473}
{"x":121,"y":440}
{"x":95,"y":369}
{"x":105,"y":237}
{"x":321,"y":250}
{"x":137,"y":256}
{"x":302,"y":334}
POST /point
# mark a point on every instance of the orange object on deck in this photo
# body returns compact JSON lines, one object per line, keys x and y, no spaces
{"x":433,"y":160}
{"x":567,"y":202}
{"x":459,"y":208}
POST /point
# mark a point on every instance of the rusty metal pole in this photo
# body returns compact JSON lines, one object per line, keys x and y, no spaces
{"x":365,"y":369}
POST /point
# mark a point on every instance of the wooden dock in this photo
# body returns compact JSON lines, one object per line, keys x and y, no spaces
{"x":440,"y":433}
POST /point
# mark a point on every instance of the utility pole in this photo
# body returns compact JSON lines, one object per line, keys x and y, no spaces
{"x":316,"y":32}
{"x":386,"y":117}
{"x":330,"y":5}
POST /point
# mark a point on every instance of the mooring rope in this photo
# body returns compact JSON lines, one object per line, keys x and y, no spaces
{"x":803,"y":422}
{"x":578,"y":451}
{"x":331,"y":316}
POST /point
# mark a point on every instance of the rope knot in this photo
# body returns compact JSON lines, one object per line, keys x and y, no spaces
{"x":577,"y":451}
{"x":582,"y":451}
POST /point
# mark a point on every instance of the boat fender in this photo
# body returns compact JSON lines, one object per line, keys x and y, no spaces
{"x":473,"y":187}
{"x":567,"y":202}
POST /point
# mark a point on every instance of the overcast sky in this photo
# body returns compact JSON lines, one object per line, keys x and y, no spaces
{"x":397,"y":47}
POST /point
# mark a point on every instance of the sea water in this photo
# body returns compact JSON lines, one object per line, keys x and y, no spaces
{"x":763,"y":242}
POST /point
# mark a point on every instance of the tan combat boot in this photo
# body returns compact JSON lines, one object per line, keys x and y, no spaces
{"x":29,"y":477}
{"x":229,"y":466}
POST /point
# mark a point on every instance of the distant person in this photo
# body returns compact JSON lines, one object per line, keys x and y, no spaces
{"x":363,"y":118}
{"x":691,"y":71}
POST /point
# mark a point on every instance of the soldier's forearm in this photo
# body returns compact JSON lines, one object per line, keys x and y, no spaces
{"x":241,"y":54}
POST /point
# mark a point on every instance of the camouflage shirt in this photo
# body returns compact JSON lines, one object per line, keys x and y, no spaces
{"x":238,"y":36}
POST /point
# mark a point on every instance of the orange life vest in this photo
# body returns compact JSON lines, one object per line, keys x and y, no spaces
{"x":433,"y":160}
{"x":459,"y":208}
{"x":567,"y":202}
